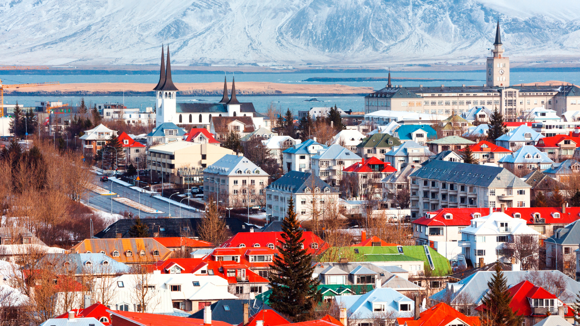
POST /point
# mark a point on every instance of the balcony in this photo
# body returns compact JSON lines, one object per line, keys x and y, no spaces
{"x":505,"y":197}
{"x":463,"y":243}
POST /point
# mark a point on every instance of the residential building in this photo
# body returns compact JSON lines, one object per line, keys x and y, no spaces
{"x":134,"y":151}
{"x":447,"y":155}
{"x":395,"y":183}
{"x":442,"y":184}
{"x":329,"y":163}
{"x":561,"y":246}
{"x":377,"y":145}
{"x":200,"y":136}
{"x":540,"y":114}
{"x":454,"y":126}
{"x":14,"y":252}
{"x":492,"y":237}
{"x":318,"y":112}
{"x":555,"y":128}
{"x":221,"y":127}
{"x":232,"y":311}
{"x":389,"y":128}
{"x":261,"y":133}
{"x":409,"y":153}
{"x":481,"y":114}
{"x":561,"y":147}
{"x":97,"y":311}
{"x":521,"y":136}
{"x":449,"y":143}
{"x":86,"y":263}
{"x":541,"y":182}
{"x":73,"y":320}
{"x":365,"y":177}
{"x":467,"y":293}
{"x":298,"y":157}
{"x":183,"y":162}
{"x":348,"y":139}
{"x":310,"y":194}
{"x":313,"y":244}
{"x":487,"y":152}
{"x":182,"y":243}
{"x":553,"y":320}
{"x":363,"y":309}
{"x":18,"y":235}
{"x":140,"y":251}
{"x":563,"y":171}
{"x":384,"y":116}
{"x":165,"y":133}
{"x":442,"y":315}
{"x":526,"y":159}
{"x":236,"y":181}
{"x":95,"y":139}
{"x":132,"y":116}
{"x":534,"y":303}
{"x":420,"y":134}
{"x":130,"y":318}
{"x":278,"y":144}
{"x":477,"y":132}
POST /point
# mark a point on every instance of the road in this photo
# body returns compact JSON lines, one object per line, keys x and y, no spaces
{"x":104,"y":202}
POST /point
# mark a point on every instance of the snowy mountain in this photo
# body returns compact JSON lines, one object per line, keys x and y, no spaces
{"x":82,"y":32}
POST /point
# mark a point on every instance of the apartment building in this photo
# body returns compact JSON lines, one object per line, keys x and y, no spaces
{"x":525,"y":160}
{"x":278,"y":144}
{"x":449,"y":143}
{"x":299,"y":156}
{"x":329,"y":163}
{"x":235,"y":181}
{"x":408,"y":153}
{"x":366,"y":177}
{"x":561,"y":147}
{"x":521,"y":136}
{"x":441,"y":184}
{"x":95,"y":139}
{"x":377,"y":145}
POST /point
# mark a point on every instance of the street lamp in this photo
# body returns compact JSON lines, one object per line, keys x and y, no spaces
{"x":177,"y":193}
{"x":229,"y":209}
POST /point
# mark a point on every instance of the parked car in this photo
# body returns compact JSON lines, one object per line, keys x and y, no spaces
{"x":104,"y":178}
{"x":195,"y":190}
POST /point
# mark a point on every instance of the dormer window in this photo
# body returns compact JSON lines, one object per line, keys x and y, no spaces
{"x":155,"y":252}
{"x":314,"y":245}
{"x":537,"y":215}
{"x":556,"y":215}
{"x":448,"y":216}
{"x":242,"y":245}
{"x":271,"y":245}
{"x":379,"y":307}
{"x":129,"y":253}
{"x":88,"y":264}
{"x":404,"y":307}
{"x":517,"y":215}
{"x":476,"y":215}
{"x":126,"y":142}
{"x":115,"y":253}
{"x":142,"y":253}
{"x":256,"y":245}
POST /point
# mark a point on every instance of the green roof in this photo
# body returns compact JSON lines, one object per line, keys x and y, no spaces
{"x":389,"y":254}
{"x":328,"y":290}
{"x":380,"y":140}
{"x":452,"y":140}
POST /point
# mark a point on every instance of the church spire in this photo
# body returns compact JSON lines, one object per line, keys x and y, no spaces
{"x":497,"y":35}
{"x":162,"y":71}
{"x":225,"y":97}
{"x":233,"y":99}
{"x":389,"y":80}
{"x":168,"y":84}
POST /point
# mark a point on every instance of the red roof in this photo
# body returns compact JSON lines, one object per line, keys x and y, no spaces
{"x":130,"y":143}
{"x":140,"y":319}
{"x":440,"y":314}
{"x":555,"y":140}
{"x":485,"y":146}
{"x":373,"y":240}
{"x":525,"y":290}
{"x":270,"y":318}
{"x":176,"y":242}
{"x":194,"y":132}
{"x":96,"y":311}
{"x":463,"y":216}
{"x":319,"y":322}
{"x":220,"y":268}
{"x":516,"y":124}
{"x":189,"y":265}
{"x":331,"y":319}
{"x":365,"y":166}
{"x":312,"y":242}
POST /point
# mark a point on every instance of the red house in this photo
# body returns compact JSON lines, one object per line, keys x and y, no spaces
{"x":97,"y":311}
{"x":134,"y":151}
{"x":200,"y":135}
{"x":368,"y":175}
{"x":487,"y":152}
{"x":441,"y":314}
{"x":314,"y":244}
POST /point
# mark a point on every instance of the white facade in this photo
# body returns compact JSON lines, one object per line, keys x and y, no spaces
{"x":5,"y":126}
{"x":298,"y":158}
{"x":348,"y":139}
{"x":130,"y":116}
{"x":277,"y":144}
{"x":383,"y":117}
{"x":488,"y":236}
{"x":318,"y":112}
{"x":540,"y":114}
{"x":306,"y":204}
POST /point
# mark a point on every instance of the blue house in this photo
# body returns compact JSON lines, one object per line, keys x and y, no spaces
{"x":417,"y":133}
{"x":526,"y":159}
{"x":378,"y":302}
{"x":298,"y":157}
{"x":522,"y":135}
{"x":165,"y":133}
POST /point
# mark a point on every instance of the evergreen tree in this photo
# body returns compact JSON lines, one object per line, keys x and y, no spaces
{"x":289,"y":124}
{"x":29,"y":123}
{"x":496,"y":126}
{"x":540,"y":200}
{"x":294,"y":291}
{"x":575,"y":200}
{"x":139,"y":229}
{"x":335,"y":118}
{"x":233,"y":142}
{"x":82,"y":107}
{"x":496,"y":302}
{"x":280,"y":125}
{"x":306,"y":127}
{"x":131,"y":171}
{"x":96,"y":116}
{"x":113,"y":154}
{"x":16,"y":124}
{"x":557,"y":200}
{"x":467,"y":156}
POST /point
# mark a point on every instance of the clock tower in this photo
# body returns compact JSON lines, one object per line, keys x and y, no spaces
{"x":498,"y":66}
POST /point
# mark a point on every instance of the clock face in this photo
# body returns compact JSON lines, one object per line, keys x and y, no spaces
{"x":501,"y":71}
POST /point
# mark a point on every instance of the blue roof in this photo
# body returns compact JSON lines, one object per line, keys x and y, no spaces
{"x":403,"y":150}
{"x":519,"y":134}
{"x":98,"y":263}
{"x":297,"y":182}
{"x":404,"y":132}
{"x":480,"y":130}
{"x":471,"y":115}
{"x":159,"y":131}
{"x":562,"y":167}
{"x":337,"y":152}
{"x":302,"y":148}
{"x":527,"y":154}
{"x":361,"y":306}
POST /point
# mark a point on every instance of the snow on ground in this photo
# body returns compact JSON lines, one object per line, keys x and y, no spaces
{"x":173,"y":202}
{"x":106,"y":216}
{"x":121,"y":182}
{"x":136,"y":205}
{"x":99,"y":190}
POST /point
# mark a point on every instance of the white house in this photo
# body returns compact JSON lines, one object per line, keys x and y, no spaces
{"x":488,"y":238}
{"x":278,"y":144}
{"x":298,"y":157}
{"x":348,"y":139}
{"x":330,"y":162}
{"x":362,"y":310}
{"x":318,"y":112}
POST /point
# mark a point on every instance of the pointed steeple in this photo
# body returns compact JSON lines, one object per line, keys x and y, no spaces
{"x":161,"y":72}
{"x":168,"y":84}
{"x":233,"y":99}
{"x":389,"y":80}
{"x":497,"y":35}
{"x":225,"y":97}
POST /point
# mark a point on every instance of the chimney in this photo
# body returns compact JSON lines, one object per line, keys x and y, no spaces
{"x":503,"y":208}
{"x":314,"y":138}
{"x":378,"y":283}
{"x":343,"y":317}
{"x":246,"y":313}
{"x":490,"y":210}
{"x":515,"y":265}
{"x":363,"y":236}
{"x":87,"y":301}
{"x":564,"y":208}
{"x":251,"y":230}
{"x":481,"y":262}
{"x":561,"y":311}
{"x":259,"y":323}
{"x":207,"y":315}
{"x":71,"y":315}
{"x":417,"y":309}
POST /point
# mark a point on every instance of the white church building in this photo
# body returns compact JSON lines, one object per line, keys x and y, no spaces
{"x":198,"y":114}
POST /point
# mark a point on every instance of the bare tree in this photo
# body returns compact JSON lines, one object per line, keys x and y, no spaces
{"x":525,"y":249}
{"x":144,"y":293}
{"x":213,"y":228}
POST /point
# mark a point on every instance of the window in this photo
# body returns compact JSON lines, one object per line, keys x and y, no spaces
{"x":176,"y":288}
{"x":365,"y":279}
{"x":120,"y":284}
{"x":231,"y":273}
{"x":255,"y":289}
{"x":566,"y":250}
{"x":195,"y":283}
{"x":521,"y":192}
{"x":103,"y":320}
{"x":492,"y":192}
{"x":115,"y":253}
{"x":271,"y":245}
{"x":480,"y":252}
{"x":239,"y":290}
{"x":435,"y":284}
{"x":502,"y":238}
{"x":129,"y":253}
{"x":155,"y":252}
{"x":405,"y":307}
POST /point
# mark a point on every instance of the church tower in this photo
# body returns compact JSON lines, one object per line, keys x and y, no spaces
{"x":498,"y":66}
{"x":166,"y":93}
{"x":233,"y":104}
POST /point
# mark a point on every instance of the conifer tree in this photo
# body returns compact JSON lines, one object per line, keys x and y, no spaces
{"x":467,"y":156}
{"x":496,"y":302}
{"x":306,"y":126}
{"x":139,"y":229}
{"x":113,"y":154}
{"x":233,"y":142}
{"x":289,"y":124}
{"x":540,"y":200}
{"x":575,"y":200}
{"x":16,"y":123}
{"x":294,"y":291}
{"x":557,"y":200}
{"x":335,"y":118}
{"x":497,"y":126}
